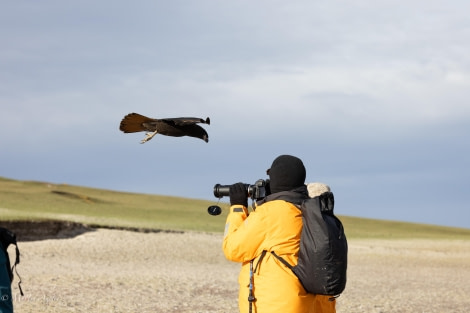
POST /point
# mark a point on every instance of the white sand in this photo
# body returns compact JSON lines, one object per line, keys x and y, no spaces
{"x":121,"y":271}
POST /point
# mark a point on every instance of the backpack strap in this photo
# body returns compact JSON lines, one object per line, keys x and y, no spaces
{"x":281,"y":259}
{"x":17,"y":261}
{"x":327,"y":202}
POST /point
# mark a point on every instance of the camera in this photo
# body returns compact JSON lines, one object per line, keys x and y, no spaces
{"x":258,"y":190}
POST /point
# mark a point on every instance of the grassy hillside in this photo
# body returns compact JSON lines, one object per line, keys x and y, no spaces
{"x":30,"y":200}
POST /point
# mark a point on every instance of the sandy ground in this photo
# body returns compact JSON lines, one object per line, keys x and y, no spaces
{"x":121,"y":271}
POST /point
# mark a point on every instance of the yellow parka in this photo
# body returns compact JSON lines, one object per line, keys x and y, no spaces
{"x":275,"y":226}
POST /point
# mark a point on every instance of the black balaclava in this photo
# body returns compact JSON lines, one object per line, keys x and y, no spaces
{"x":286,"y":173}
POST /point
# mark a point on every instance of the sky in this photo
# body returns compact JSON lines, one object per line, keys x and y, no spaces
{"x":373,"y":96}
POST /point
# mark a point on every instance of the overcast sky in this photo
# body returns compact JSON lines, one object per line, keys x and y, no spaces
{"x":373,"y":96}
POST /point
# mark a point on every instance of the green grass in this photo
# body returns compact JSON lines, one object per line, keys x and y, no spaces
{"x":382,"y":229}
{"x":31,"y":200}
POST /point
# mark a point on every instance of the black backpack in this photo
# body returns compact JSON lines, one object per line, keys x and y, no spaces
{"x":323,"y":253}
{"x":7,"y":238}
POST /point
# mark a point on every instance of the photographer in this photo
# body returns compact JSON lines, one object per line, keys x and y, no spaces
{"x":6,"y":302}
{"x":266,"y":285}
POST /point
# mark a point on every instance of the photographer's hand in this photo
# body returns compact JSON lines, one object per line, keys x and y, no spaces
{"x":238,"y":194}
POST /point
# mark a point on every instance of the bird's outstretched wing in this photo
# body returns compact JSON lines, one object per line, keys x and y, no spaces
{"x":180,"y":121}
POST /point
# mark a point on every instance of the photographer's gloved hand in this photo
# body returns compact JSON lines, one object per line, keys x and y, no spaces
{"x":238,"y":194}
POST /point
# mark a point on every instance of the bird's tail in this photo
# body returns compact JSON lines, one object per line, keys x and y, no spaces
{"x":132,"y":123}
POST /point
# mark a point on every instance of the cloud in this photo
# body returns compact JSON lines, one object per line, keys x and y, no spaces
{"x":372,"y":95}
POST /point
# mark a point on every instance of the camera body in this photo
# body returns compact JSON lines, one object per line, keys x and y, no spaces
{"x":258,"y":190}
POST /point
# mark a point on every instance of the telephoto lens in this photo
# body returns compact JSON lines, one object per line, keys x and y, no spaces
{"x":221,"y":190}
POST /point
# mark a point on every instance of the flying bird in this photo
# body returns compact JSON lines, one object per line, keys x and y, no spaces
{"x":176,"y":127}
